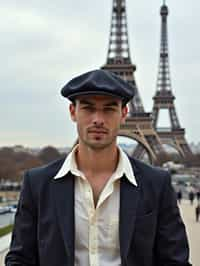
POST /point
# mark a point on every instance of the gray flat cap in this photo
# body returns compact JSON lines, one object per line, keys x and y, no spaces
{"x":98,"y":82}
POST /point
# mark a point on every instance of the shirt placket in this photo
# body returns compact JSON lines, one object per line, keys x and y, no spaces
{"x":93,"y":230}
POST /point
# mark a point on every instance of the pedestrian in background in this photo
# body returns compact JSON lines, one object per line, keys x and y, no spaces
{"x":197,"y":212}
{"x":191,"y":197}
{"x":198,"y":195}
{"x":179,"y":196}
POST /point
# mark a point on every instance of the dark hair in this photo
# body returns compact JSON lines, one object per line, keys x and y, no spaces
{"x":124,"y":104}
{"x":74,"y":102}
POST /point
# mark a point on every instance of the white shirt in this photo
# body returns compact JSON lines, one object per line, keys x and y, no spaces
{"x":97,"y":229}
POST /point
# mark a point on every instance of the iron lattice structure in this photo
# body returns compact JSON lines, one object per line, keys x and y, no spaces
{"x":139,"y":124}
{"x":164,"y":98}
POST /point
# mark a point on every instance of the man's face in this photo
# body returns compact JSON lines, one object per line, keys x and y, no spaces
{"x":98,"y":119}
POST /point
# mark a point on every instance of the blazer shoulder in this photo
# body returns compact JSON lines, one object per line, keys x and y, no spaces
{"x":153,"y":182}
{"x":37,"y":181}
{"x":149,"y":172}
{"x":44,"y":172}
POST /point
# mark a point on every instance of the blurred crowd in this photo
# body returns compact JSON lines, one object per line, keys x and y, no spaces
{"x":192,"y":195}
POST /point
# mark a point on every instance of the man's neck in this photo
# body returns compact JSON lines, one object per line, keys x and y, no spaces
{"x":97,"y":161}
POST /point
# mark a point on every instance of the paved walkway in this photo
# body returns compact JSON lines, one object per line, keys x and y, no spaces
{"x":193,"y":231}
{"x":192,"y":227}
{"x":4,"y":243}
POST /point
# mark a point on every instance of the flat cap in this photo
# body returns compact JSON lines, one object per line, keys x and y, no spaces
{"x":98,"y":82}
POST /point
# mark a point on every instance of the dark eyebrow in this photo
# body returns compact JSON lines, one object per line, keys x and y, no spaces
{"x":114,"y":103}
{"x":86,"y":102}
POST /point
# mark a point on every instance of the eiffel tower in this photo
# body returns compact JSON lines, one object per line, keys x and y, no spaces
{"x":139,"y":124}
{"x":164,"y":98}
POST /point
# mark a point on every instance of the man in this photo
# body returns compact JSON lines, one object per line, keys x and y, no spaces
{"x":98,"y":207}
{"x":197,"y":212}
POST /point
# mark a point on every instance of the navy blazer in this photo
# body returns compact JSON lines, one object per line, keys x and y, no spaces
{"x":151,"y":230}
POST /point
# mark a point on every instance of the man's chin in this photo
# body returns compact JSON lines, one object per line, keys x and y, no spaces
{"x":98,"y":145}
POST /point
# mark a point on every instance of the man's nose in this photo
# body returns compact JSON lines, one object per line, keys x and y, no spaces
{"x":98,"y":119}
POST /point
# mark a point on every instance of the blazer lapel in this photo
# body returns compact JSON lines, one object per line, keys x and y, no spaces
{"x":64,"y":203}
{"x":129,"y":195}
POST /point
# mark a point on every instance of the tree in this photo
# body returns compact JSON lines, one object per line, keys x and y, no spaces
{"x":49,"y":154}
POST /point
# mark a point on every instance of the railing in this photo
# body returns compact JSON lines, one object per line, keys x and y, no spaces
{"x":169,"y":129}
{"x":163,"y":129}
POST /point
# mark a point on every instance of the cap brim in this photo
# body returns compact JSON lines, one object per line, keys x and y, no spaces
{"x":75,"y":95}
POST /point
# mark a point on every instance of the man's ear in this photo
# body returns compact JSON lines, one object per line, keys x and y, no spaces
{"x":72,"y":110}
{"x":124,"y":114}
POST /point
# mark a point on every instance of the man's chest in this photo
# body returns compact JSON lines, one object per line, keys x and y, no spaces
{"x":97,"y":226}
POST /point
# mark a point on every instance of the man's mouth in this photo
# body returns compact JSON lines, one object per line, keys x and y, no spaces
{"x":97,"y":132}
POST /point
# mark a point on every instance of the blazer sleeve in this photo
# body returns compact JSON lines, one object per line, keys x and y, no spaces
{"x":23,"y":248}
{"x":171,"y":240}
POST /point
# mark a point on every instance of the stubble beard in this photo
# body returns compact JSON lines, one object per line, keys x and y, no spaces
{"x":97,"y":144}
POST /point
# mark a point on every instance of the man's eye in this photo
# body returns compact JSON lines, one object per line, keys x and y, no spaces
{"x":88,"y":108}
{"x":109,"y":109}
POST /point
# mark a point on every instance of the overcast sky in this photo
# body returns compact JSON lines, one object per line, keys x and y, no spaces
{"x":46,"y":43}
